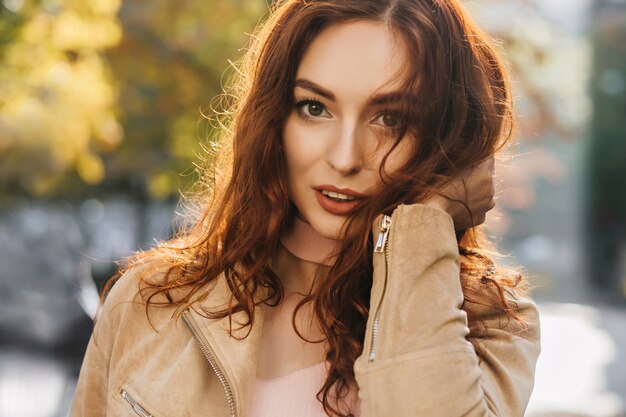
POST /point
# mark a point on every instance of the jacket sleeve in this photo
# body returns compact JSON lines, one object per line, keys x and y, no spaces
{"x":417,"y":359}
{"x":92,"y":394}
{"x":90,"y":397}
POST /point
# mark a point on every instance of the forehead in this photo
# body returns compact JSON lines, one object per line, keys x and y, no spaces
{"x":354,"y":59}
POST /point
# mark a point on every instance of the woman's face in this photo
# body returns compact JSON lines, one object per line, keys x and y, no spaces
{"x":344,"y":122}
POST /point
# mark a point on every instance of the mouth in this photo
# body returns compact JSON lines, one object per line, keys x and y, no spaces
{"x":339,"y":197}
{"x":338,"y":201}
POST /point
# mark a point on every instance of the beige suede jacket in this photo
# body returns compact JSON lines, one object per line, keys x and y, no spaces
{"x":417,"y":359}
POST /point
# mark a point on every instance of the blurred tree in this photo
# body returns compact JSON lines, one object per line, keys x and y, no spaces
{"x":548,"y":60}
{"x":168,"y":66}
{"x":548,"y":52}
{"x":11,"y":21}
{"x":606,"y":205}
{"x":69,"y":81}
{"x":56,"y":101}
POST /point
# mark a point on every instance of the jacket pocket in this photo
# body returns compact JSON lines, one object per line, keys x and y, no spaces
{"x":133,"y":401}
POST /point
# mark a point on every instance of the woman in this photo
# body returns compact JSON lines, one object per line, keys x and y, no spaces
{"x":335,"y":267}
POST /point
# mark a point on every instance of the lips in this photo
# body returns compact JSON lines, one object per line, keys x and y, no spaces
{"x":333,"y":203}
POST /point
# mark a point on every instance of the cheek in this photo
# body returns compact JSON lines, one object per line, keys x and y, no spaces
{"x":399,"y":156}
{"x":302,"y":148}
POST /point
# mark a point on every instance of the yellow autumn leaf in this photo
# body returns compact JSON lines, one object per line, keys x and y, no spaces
{"x":90,"y":168}
{"x":160,"y":186}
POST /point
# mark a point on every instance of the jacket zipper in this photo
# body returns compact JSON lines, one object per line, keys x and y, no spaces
{"x":136,"y":407}
{"x":381,"y":247}
{"x":210,"y":357}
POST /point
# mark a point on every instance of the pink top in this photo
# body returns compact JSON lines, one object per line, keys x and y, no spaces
{"x":294,"y":394}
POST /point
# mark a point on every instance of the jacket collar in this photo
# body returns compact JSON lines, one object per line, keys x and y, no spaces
{"x":237,"y":355}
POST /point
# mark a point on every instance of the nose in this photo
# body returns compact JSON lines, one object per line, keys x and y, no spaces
{"x":345,"y":153}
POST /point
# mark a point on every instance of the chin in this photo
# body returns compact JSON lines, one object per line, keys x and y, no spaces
{"x":327,"y":226}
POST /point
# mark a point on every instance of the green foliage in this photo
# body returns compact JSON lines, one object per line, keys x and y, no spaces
{"x":608,"y":130}
{"x":168,"y":67}
{"x":10,"y":23}
{"x":56,"y":101}
{"x":99,"y":95}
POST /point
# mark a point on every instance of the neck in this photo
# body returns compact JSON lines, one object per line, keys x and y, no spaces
{"x":304,"y":242}
{"x":302,"y":256}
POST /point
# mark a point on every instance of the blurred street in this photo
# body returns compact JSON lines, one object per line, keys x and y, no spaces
{"x":582,"y":367}
{"x":581,"y":371}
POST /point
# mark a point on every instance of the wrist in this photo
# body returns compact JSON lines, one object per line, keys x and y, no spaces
{"x":439,"y":203}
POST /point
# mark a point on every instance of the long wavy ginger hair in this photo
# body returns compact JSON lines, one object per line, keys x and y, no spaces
{"x":461,"y":115}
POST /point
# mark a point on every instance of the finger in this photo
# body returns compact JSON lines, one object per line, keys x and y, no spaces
{"x":488,"y":165}
{"x":484,"y":170}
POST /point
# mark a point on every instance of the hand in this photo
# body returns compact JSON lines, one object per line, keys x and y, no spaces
{"x":475,"y":188}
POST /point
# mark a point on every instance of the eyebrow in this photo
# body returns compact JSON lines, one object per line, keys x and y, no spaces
{"x":375,"y":101}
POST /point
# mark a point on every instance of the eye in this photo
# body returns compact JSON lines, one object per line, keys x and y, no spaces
{"x":311,"y":108}
{"x":388,"y":119}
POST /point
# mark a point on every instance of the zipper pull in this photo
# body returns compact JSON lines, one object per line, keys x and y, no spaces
{"x":384,"y":232}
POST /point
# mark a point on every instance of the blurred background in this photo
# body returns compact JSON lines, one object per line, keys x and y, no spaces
{"x":101,"y":123}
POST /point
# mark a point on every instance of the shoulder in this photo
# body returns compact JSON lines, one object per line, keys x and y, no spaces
{"x":125,"y":310}
{"x":128,"y":289}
